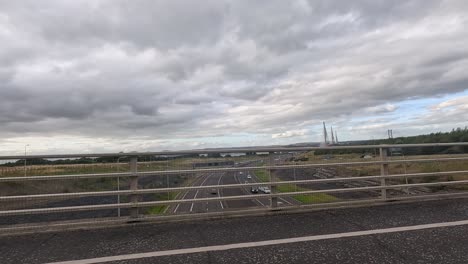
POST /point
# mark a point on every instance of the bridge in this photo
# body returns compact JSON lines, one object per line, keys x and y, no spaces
{"x":346,"y":204}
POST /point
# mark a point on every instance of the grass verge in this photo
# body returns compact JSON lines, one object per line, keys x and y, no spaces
{"x":160,"y":209}
{"x":261,"y":175}
{"x":306,"y":198}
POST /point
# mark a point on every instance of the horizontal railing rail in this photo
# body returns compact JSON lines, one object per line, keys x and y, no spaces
{"x":237,"y":185}
{"x":226,"y":198}
{"x":219,"y":169}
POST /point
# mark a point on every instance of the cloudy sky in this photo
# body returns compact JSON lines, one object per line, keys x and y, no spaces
{"x":87,"y":76}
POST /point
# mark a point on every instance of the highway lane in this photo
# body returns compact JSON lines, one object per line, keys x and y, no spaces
{"x":216,"y":178}
{"x":231,"y":178}
{"x":183,"y":208}
{"x":204,"y":179}
{"x":222,"y":178}
{"x":213,"y":178}
{"x":242,"y":177}
{"x":282,"y":201}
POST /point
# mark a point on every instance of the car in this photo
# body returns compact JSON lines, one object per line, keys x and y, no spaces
{"x":264,"y":189}
{"x":240,"y":172}
{"x":254,"y":190}
{"x":214,"y":191}
{"x":249,"y":177}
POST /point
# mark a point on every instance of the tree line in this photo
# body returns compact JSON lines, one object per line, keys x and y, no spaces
{"x":454,"y":136}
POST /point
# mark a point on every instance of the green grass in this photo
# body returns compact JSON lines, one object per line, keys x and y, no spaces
{"x":262,"y":175}
{"x":160,"y":209}
{"x":156,"y":210}
{"x":306,"y":198}
{"x":288,"y":188}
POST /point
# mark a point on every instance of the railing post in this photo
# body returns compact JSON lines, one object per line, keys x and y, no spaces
{"x":383,"y":171}
{"x":273,"y":189}
{"x":134,"y":186}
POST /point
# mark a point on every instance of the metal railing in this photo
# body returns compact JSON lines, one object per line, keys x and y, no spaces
{"x":382,"y":187}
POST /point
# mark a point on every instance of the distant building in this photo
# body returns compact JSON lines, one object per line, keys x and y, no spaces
{"x":212,"y":164}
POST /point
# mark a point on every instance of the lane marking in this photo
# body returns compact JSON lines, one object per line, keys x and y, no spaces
{"x":193,"y":184}
{"x":183,"y":197}
{"x":262,"y":243}
{"x":285,"y":201}
{"x":258,"y":200}
{"x":255,"y":180}
{"x":191,"y":207}
{"x":219,"y":190}
{"x":177,"y":207}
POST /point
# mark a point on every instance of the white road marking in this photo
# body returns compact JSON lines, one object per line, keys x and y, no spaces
{"x":193,"y":184}
{"x":183,"y":197}
{"x":254,"y":180}
{"x":285,"y":201}
{"x":260,"y":202}
{"x":191,"y":207}
{"x":219,"y":194}
{"x":262,"y":243}
{"x":177,"y":207}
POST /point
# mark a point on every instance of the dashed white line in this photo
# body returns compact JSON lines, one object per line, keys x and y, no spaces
{"x":282,"y":199}
{"x":191,"y":207}
{"x":183,"y":197}
{"x":219,"y":195}
{"x":260,"y":202}
{"x":177,"y":207}
{"x":263,"y":243}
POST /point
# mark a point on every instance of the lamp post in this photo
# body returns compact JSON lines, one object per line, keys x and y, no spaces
{"x":25,"y":146}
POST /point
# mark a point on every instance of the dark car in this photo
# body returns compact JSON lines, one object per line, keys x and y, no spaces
{"x":254,"y":190}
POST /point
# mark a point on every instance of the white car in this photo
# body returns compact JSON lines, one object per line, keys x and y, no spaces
{"x":264,"y":189}
{"x":249,"y":177}
{"x":240,"y":172}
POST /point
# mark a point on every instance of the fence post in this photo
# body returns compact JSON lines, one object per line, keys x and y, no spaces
{"x":383,"y":171}
{"x":134,"y":186}
{"x":273,"y":189}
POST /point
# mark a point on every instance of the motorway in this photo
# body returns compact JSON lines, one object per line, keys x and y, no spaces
{"x":204,"y":179}
{"x":216,"y":178}
{"x":421,"y":232}
{"x":222,"y":178}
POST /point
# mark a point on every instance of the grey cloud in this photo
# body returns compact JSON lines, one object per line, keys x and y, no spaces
{"x":446,"y":59}
{"x":162,"y":24}
{"x":180,"y":69}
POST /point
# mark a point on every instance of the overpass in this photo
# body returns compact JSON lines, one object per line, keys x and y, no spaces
{"x":290,"y":205}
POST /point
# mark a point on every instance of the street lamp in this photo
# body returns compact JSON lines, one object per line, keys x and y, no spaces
{"x":25,"y":146}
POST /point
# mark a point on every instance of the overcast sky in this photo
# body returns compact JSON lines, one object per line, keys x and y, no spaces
{"x":94,"y":76}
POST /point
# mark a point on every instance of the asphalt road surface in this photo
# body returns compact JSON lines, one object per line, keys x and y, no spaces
{"x":215,"y":178}
{"x":423,"y":232}
{"x":223,"y":178}
{"x":205,"y":179}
